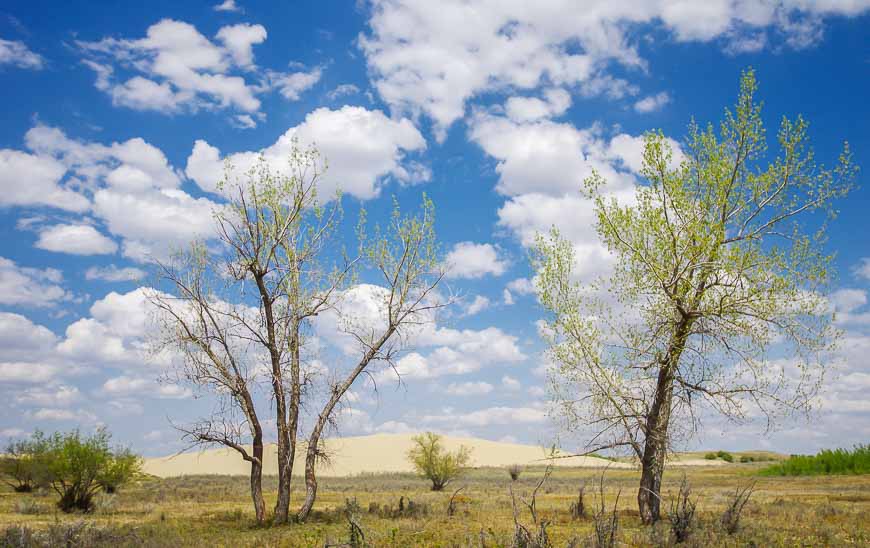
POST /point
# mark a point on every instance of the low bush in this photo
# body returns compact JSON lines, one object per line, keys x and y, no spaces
{"x":826,"y":462}
{"x":725,"y":455}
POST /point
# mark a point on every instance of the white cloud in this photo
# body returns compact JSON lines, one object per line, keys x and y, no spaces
{"x":43,"y":182}
{"x":862,"y":269}
{"x":652,"y":103}
{"x":341,"y":90}
{"x":521,"y":286}
{"x":175,"y":68}
{"x":30,"y":287}
{"x":510,"y":383}
{"x":227,"y":5}
{"x":364,"y":148}
{"x":21,"y":339}
{"x":628,"y":150}
{"x":75,"y":240}
{"x":525,"y":109}
{"x":125,"y":386}
{"x":58,"y":396}
{"x":469,"y":388}
{"x":16,"y":53}
{"x":491,"y":416}
{"x":543,"y":156}
{"x":432,"y":57}
{"x":112,"y":273}
{"x":471,"y":260}
{"x":479,"y":304}
{"x":239,"y":41}
{"x":27,"y":372}
{"x":63,"y":415}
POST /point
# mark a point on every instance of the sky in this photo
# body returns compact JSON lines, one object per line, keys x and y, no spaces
{"x":117,"y":118}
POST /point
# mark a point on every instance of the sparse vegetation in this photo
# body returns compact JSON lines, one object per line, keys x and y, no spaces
{"x":216,"y":511}
{"x":836,"y":461}
{"x":436,"y":464}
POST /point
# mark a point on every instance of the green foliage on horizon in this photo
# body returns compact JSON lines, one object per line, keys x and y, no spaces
{"x":826,"y":462}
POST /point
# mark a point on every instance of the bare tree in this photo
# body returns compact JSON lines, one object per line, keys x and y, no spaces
{"x":404,"y":258}
{"x":251,"y":300}
{"x":716,"y":302}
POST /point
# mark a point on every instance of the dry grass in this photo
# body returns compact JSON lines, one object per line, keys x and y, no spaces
{"x":216,"y":511}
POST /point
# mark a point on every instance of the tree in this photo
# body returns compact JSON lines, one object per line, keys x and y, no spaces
{"x":250,"y":300}
{"x":24,"y":464}
{"x":716,"y":300}
{"x":405,"y":258}
{"x":431,"y":461}
{"x":123,"y":465}
{"x":78,"y":467}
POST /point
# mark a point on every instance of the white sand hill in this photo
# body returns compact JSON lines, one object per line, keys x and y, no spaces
{"x":378,"y":453}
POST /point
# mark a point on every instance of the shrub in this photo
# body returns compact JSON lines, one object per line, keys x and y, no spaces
{"x":710,"y":456}
{"x":514,"y":470}
{"x":578,"y":507}
{"x":682,"y":515}
{"x":27,"y":507}
{"x":78,"y":467}
{"x":726,"y":456}
{"x":730,"y":519}
{"x":433,"y":462}
{"x":23,"y":462}
{"x":837,"y":461}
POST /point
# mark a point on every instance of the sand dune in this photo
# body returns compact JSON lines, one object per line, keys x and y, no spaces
{"x":379,"y":453}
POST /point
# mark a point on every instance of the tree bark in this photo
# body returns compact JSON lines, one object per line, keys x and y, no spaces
{"x":257,"y":480}
{"x":288,"y":438}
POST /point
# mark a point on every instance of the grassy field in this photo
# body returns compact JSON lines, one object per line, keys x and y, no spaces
{"x":216,"y":511}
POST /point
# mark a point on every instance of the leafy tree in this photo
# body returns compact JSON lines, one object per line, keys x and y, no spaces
{"x":433,"y":462}
{"x":23,"y":462}
{"x":123,"y":465}
{"x":716,"y":300}
{"x":77,"y":467}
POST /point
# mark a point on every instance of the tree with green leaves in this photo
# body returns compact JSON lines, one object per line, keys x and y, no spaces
{"x":431,"y":461}
{"x":239,"y":312}
{"x":716,"y":302}
{"x":251,"y":298}
{"x":406,"y":263}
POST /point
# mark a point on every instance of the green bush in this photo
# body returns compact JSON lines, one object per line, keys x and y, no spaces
{"x":837,"y":461}
{"x":726,"y":456}
{"x":22,"y":463}
{"x":710,"y":456}
{"x":431,"y":461}
{"x":78,"y":467}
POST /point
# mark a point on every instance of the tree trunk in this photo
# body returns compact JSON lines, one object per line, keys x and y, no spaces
{"x":287,"y":438}
{"x":257,"y":480}
{"x":310,"y":480}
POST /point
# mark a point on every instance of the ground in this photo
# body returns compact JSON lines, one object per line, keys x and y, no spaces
{"x":216,"y":511}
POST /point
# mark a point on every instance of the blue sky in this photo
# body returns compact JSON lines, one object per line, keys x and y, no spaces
{"x":117,"y":115}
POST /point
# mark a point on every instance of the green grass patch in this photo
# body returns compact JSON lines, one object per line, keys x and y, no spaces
{"x":827,"y":462}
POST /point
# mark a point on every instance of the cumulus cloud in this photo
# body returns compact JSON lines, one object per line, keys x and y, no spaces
{"x":431,"y":58}
{"x":478,"y":304}
{"x":227,"y":5}
{"x":652,"y":103}
{"x":17,"y":54}
{"x":175,"y":68}
{"x":35,"y":180}
{"x":22,"y":339}
{"x":113,"y":273}
{"x":30,"y":287}
{"x":366,"y":147}
{"x":75,"y":240}
{"x":472,"y":260}
{"x":490,"y":416}
{"x":129,"y":186}
{"x":525,"y":109}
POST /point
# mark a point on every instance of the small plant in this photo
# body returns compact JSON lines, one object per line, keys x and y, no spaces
{"x":356,"y":537}
{"x":710,"y":456}
{"x":451,"y":506}
{"x":523,"y":536}
{"x":578,"y":507}
{"x":606,"y":523}
{"x":730,"y":519}
{"x":682,"y":515}
{"x":746,"y":458}
{"x":27,"y":507}
{"x":433,"y":462}
{"x":514,"y":470}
